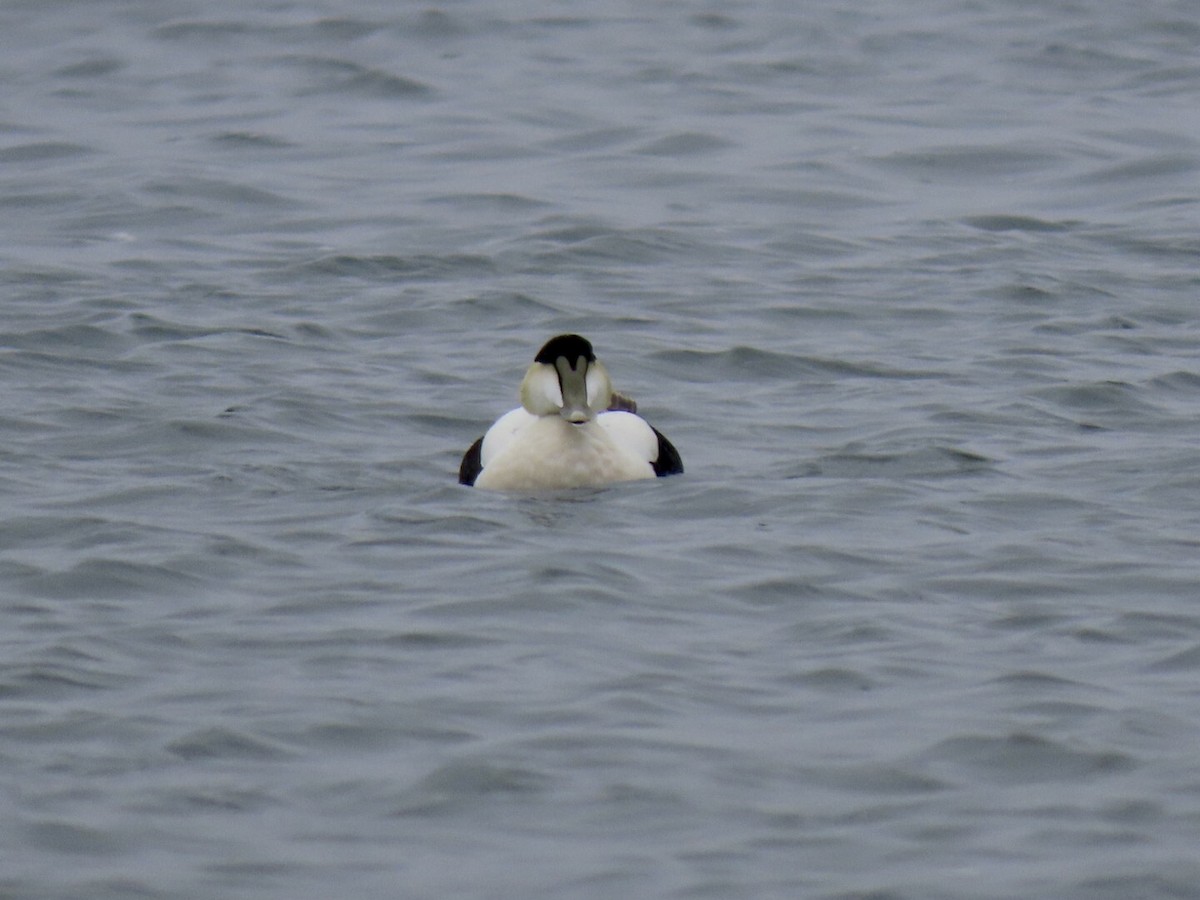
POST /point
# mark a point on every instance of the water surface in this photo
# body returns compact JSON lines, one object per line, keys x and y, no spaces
{"x":911,"y":286}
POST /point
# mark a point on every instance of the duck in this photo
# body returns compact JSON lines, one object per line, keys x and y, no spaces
{"x":571,"y":430}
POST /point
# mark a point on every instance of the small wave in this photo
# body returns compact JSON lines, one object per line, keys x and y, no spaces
{"x":484,"y":202}
{"x":467,"y":782}
{"x":390,"y":267}
{"x":337,"y":76}
{"x":930,"y":462}
{"x":1008,"y":222}
{"x":1024,"y":758}
{"x":72,"y":838}
{"x":52,"y":680}
{"x":437,"y":24}
{"x":1183,"y":661}
{"x":592,"y":139}
{"x":225,"y":743}
{"x":1178,"y":382}
{"x":91,"y":68}
{"x":511,"y":304}
{"x":1171,"y":165}
{"x":338,"y":28}
{"x":959,"y":163}
{"x":43,"y":151}
{"x":834,"y":680}
{"x":207,"y":190}
{"x":200,"y":30}
{"x":882,"y":779}
{"x":250,"y":140}
{"x":101,"y":577}
{"x":735,"y":363}
{"x":641,"y":246}
{"x":148,"y":327}
{"x":80,"y":337}
{"x":1111,"y":403}
{"x":685,"y":143}
{"x":743,"y":363}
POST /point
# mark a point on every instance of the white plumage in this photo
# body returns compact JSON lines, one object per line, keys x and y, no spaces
{"x":570,"y":430}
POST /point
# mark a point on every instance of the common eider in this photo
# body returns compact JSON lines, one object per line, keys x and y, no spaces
{"x":571,"y":430}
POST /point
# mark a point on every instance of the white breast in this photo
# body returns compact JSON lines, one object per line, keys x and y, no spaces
{"x":526,"y":452}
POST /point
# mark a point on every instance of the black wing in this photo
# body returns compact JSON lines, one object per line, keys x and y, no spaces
{"x":668,"y":461}
{"x":471,"y":466}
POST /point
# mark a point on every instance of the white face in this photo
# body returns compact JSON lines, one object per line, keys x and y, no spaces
{"x":577,"y":392}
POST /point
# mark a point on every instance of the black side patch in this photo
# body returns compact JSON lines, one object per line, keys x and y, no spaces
{"x":668,"y":462}
{"x":471,"y":466}
{"x":570,"y":346}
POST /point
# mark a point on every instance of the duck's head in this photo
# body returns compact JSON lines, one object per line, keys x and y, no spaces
{"x":566,"y":380}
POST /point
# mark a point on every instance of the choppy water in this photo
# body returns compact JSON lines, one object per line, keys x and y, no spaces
{"x":913,"y":287}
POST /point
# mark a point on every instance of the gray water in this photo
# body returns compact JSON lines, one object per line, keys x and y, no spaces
{"x":912,"y":286}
